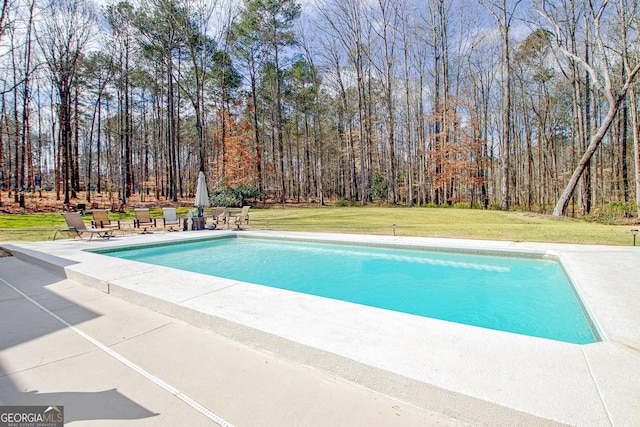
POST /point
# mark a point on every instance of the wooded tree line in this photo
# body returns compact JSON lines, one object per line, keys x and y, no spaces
{"x":486,"y":103}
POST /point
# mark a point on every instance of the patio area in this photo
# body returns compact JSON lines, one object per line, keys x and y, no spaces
{"x":438,"y":372}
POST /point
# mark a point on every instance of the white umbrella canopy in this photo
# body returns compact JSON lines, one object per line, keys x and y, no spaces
{"x":202,"y":195}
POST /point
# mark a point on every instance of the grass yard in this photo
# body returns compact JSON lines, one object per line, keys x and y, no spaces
{"x":442,"y":222}
{"x":426,"y":222}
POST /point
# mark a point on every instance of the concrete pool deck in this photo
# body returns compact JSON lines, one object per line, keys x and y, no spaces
{"x":466,"y":374}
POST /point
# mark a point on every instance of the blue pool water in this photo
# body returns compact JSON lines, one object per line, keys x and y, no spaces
{"x":521,"y":295}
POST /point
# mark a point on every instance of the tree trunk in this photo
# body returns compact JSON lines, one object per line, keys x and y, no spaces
{"x":171,"y":142}
{"x":506,"y":113}
{"x":636,"y":146}
{"x":563,"y":202}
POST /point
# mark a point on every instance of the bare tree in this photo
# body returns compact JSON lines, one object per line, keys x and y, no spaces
{"x":335,"y":47}
{"x":121,"y":18}
{"x":98,"y":72}
{"x":160,"y":41}
{"x":503,"y":13}
{"x":629,"y":20}
{"x":193,"y":20}
{"x":3,"y":16}
{"x":64,"y":33}
{"x":27,"y":151}
{"x":601,"y":72}
{"x":404,"y":15}
{"x":346,"y":20}
{"x":439,"y":34}
{"x":314,"y":171}
{"x":386,"y":33}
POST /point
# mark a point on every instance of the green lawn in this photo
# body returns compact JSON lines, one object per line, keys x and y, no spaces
{"x":429,"y":222}
{"x":439,"y":222}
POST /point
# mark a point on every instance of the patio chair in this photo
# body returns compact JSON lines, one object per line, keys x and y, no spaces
{"x":101,"y":219}
{"x":76,"y":227}
{"x":143,"y":219}
{"x":170,"y":217}
{"x":117,"y":207}
{"x":219,"y":216}
{"x":239,"y":218}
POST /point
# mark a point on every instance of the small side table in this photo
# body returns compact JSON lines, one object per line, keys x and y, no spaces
{"x":196,"y":223}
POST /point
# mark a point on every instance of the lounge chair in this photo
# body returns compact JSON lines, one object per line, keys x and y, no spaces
{"x":239,"y":218}
{"x":143,"y":219}
{"x":77,"y":227}
{"x":101,"y":219}
{"x":170,"y":217}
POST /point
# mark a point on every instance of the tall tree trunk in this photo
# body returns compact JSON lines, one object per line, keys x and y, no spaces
{"x":565,"y":197}
{"x":636,"y":146}
{"x":388,"y":93}
{"x":503,"y":17}
{"x":3,"y":171}
{"x":256,"y":129}
{"x":26,"y":100}
{"x":65,"y":139}
{"x":506,"y":111}
{"x":624,"y":124}
{"x":75,"y":162}
{"x":585,"y":131}
{"x":407,"y":101}
{"x":99,"y":148}
{"x":279,"y":124}
{"x":128,"y":152}
{"x":17,"y":139}
{"x":361,"y":108}
{"x":171,"y":142}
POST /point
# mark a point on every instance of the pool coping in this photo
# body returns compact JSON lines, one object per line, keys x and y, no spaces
{"x":467,"y":372}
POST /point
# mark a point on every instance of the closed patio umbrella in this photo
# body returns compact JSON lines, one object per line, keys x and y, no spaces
{"x":202,"y":195}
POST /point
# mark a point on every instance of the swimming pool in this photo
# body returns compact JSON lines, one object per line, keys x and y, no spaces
{"x":525,"y":295}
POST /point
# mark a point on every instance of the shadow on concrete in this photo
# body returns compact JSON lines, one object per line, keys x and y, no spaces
{"x":24,"y":324}
{"x":82,"y":406}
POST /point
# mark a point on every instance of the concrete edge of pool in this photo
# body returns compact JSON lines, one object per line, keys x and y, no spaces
{"x":466,"y":372}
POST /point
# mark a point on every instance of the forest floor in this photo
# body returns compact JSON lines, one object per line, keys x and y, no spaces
{"x":48,"y":201}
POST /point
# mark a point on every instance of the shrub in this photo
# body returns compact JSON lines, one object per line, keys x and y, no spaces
{"x":617,"y":209}
{"x":342,"y":203}
{"x":379,"y":188}
{"x":616,"y":212}
{"x":233,"y":195}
